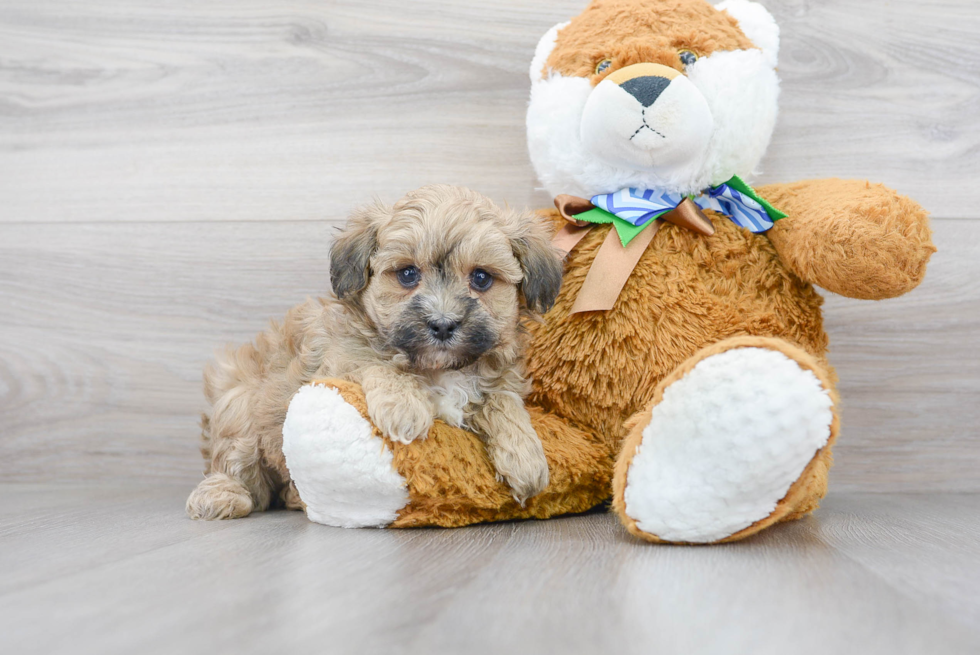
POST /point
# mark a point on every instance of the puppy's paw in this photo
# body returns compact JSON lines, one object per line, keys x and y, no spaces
{"x":520,"y":460}
{"x":402,"y":418}
{"x":219,"y":497}
{"x":289,"y":495}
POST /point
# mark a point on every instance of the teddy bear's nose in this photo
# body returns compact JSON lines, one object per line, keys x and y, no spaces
{"x":646,"y":89}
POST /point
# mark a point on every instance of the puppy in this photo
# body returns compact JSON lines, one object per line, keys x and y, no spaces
{"x":429,"y":298}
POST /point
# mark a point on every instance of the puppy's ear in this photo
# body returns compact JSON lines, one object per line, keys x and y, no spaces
{"x":540,"y":261}
{"x":350,"y":254}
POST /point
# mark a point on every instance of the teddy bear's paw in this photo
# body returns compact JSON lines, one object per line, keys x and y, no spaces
{"x":343,"y":471}
{"x":724,"y":446}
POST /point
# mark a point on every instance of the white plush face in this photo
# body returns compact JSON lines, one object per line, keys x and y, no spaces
{"x":650,"y":125}
{"x":647,"y":117}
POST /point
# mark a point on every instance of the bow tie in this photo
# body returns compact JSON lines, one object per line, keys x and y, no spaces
{"x":637,"y":208}
{"x":632,"y":211}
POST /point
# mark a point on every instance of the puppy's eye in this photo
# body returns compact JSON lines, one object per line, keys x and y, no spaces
{"x":408,"y":277}
{"x":688,"y":57}
{"x":603,"y":66}
{"x":480,"y":279}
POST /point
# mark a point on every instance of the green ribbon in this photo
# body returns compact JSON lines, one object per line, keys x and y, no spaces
{"x":627,"y":231}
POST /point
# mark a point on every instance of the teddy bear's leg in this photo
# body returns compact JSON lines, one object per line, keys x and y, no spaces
{"x":349,"y":475}
{"x":736,"y":439}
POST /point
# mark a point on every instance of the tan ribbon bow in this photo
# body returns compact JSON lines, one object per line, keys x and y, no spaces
{"x":613,"y":263}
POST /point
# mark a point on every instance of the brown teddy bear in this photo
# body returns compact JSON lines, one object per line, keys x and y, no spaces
{"x":682,"y":371}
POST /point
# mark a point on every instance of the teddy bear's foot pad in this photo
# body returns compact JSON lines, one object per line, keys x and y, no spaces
{"x":724,"y":445}
{"x":341,"y":468}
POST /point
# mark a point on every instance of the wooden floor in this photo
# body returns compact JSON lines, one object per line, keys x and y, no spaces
{"x":117,"y":569}
{"x":170,"y":176}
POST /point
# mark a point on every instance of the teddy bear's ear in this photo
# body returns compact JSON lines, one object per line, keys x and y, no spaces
{"x":545,"y":46}
{"x":757,"y":24}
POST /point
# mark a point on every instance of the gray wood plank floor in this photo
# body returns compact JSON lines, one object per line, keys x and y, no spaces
{"x":118,"y":569}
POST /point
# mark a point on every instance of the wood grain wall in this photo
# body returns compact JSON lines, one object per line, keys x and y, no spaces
{"x":170,"y":174}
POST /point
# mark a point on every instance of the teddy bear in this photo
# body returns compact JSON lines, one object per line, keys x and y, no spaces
{"x":682,"y":372}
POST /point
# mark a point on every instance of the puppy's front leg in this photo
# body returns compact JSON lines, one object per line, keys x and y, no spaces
{"x":397,"y":403}
{"x":512,"y":443}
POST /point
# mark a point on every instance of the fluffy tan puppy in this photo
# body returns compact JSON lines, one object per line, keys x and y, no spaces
{"x":429,"y":299}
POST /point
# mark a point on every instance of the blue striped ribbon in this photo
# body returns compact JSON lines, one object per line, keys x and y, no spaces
{"x":640,"y":206}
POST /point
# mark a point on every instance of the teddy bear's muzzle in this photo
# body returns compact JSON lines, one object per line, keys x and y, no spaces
{"x":647,"y":116}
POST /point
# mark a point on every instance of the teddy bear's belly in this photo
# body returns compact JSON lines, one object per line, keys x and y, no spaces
{"x":687,"y":291}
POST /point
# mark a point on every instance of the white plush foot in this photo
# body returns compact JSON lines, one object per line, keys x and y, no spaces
{"x":725,"y":444}
{"x":343,"y":472}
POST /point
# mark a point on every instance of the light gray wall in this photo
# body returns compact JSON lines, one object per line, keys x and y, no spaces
{"x":170,"y":175}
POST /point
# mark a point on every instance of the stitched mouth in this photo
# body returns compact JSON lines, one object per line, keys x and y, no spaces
{"x":645,"y":125}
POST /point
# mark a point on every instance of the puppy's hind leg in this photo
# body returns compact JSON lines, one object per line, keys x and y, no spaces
{"x":235,"y":483}
{"x":219,"y":495}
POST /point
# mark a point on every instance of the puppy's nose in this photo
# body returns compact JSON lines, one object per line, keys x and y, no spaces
{"x":646,"y":89}
{"x":442,"y":329}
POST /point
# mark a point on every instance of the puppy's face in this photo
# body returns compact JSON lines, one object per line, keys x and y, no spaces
{"x":444,"y":275}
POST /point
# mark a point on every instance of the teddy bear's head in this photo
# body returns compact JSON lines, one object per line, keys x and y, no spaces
{"x":675,"y":95}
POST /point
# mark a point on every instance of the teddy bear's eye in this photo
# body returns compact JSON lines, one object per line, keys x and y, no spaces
{"x":602,"y":66}
{"x":688,"y":57}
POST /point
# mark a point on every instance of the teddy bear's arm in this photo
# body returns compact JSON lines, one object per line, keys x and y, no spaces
{"x":851,"y":237}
